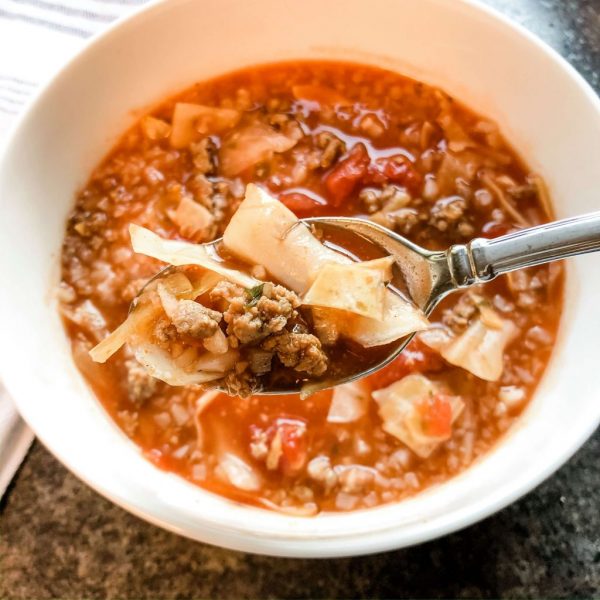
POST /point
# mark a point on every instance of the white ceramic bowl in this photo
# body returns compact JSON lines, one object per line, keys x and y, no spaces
{"x":545,"y":108}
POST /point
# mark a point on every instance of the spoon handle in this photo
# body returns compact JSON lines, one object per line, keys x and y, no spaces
{"x":483,"y":259}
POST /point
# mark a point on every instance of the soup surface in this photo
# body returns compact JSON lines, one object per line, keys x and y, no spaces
{"x":325,"y":139}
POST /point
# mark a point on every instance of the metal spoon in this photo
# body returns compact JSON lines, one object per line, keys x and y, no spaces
{"x":429,"y":276}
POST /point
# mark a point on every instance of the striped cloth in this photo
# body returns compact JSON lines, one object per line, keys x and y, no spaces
{"x":36,"y":38}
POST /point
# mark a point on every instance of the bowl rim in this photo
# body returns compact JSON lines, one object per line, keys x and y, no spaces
{"x":354,"y":543}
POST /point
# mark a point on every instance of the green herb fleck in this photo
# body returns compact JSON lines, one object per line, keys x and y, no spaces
{"x":254,"y":295}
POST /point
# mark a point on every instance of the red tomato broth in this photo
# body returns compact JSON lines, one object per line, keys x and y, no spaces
{"x":138,"y":182}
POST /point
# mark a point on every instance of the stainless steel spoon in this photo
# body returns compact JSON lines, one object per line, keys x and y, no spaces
{"x":432,"y":275}
{"x":428,"y":276}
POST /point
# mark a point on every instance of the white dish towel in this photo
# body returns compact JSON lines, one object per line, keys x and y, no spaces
{"x":36,"y":38}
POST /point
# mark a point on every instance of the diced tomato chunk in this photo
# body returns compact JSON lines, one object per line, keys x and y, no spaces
{"x":345,"y":177}
{"x":396,"y":169}
{"x":436,"y":416}
{"x":416,"y":357}
{"x":301,"y":204}
{"x":294,"y":445}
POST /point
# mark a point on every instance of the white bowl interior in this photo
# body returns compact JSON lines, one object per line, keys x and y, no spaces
{"x":545,"y":109}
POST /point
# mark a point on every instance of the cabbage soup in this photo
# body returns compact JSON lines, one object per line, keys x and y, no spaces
{"x":243,"y":157}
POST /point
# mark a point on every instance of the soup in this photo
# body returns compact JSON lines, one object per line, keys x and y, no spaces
{"x":321,"y":139}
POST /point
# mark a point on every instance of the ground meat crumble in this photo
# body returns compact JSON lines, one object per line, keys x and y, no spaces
{"x":251,"y":319}
{"x":193,"y":319}
{"x":300,"y":351}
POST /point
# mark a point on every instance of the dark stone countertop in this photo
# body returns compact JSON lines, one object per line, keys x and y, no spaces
{"x":60,"y":539}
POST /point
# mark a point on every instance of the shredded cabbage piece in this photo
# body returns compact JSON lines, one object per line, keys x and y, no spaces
{"x":294,"y":256}
{"x":498,"y":192}
{"x":208,"y":281}
{"x":198,"y":406}
{"x":543,"y":194}
{"x":159,"y":364}
{"x":177,"y":284}
{"x":192,"y":219}
{"x":451,"y":168}
{"x":249,"y":145}
{"x":190,"y":121}
{"x":458,"y":138}
{"x":404,"y":406}
{"x":179,"y":253}
{"x":220,"y":363}
{"x":400,"y":318}
{"x":139,"y":319}
{"x":352,"y":287}
{"x":479,"y":349}
{"x":385,"y":265}
{"x":217,"y":343}
{"x":349,"y":402}
{"x":155,"y":129}
{"x":488,"y":315}
{"x":512,"y":396}
{"x":87,"y":316}
{"x":264,"y":232}
{"x":238,"y":473}
{"x":168,"y":300}
{"x":357,"y":287}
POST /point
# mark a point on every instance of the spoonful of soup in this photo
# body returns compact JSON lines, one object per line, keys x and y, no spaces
{"x":279,"y":305}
